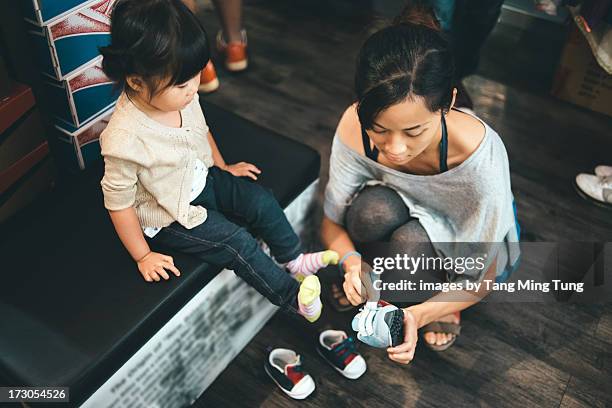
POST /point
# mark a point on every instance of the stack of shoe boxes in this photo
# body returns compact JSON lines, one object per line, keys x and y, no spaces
{"x":66,"y":35}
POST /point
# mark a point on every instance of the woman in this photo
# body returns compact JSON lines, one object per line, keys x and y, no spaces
{"x":407,"y":168}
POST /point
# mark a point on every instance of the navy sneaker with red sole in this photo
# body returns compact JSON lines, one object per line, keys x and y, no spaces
{"x":339,"y":350}
{"x":285,"y":368}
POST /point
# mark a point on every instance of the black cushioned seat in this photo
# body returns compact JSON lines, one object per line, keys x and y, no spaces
{"x":73,"y":307}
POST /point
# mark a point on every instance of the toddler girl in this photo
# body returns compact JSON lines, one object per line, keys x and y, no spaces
{"x":166,"y":180}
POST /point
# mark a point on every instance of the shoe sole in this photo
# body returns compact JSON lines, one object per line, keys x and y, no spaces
{"x":350,"y":377}
{"x":209,"y":86}
{"x":591,"y":199}
{"x":237,"y":66}
{"x":289,"y":393}
{"x":310,"y":289}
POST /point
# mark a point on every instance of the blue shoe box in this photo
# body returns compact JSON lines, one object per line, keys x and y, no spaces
{"x":80,"y":97}
{"x":69,"y":42}
{"x":41,"y":12}
{"x":79,"y":148}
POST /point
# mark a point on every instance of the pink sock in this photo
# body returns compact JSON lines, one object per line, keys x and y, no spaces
{"x":311,"y":310}
{"x":310,"y":263}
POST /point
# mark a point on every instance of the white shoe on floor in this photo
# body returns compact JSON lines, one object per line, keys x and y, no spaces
{"x":595,"y":188}
{"x":603,"y":171}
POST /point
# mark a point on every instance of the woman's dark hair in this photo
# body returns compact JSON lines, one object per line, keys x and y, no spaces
{"x":158,"y":40}
{"x":409,"y":59}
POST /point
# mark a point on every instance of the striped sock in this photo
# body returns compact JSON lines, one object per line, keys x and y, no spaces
{"x":309,"y":264}
{"x":309,"y":298}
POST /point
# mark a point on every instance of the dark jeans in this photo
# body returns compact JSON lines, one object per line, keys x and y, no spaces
{"x":380,"y":224}
{"x":222,"y":242}
{"x":473,"y":22}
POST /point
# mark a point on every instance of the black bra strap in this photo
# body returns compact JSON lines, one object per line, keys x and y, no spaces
{"x":369,"y":152}
{"x":443,"y":147}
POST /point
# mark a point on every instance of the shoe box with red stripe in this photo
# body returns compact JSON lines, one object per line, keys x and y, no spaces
{"x":69,"y":41}
{"x":76,"y":93}
{"x":80,"y":97}
{"x":79,"y":148}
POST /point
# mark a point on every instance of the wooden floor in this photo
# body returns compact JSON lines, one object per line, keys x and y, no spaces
{"x":544,"y":355}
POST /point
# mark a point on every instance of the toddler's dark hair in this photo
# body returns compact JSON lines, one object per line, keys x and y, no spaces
{"x":411,"y":58}
{"x":160,"y":41}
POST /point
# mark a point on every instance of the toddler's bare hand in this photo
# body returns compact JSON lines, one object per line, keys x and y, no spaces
{"x":153,"y":267}
{"x":243,"y":169}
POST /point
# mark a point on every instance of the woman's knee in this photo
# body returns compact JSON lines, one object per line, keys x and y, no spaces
{"x":410,"y":232}
{"x":375,"y":213}
{"x":412,"y":239}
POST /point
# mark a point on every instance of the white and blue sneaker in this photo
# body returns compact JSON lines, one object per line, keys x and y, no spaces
{"x":380,"y":324}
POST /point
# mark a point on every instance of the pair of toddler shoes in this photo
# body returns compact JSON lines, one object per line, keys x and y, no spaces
{"x":284,"y":366}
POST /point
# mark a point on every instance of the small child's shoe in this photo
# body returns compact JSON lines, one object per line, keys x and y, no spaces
{"x":285,"y":368}
{"x":309,"y":298}
{"x":380,"y":326}
{"x":208,"y":79}
{"x":340,"y":352}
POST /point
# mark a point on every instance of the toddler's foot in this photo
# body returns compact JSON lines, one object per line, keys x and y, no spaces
{"x":309,"y":264}
{"x":309,"y":298}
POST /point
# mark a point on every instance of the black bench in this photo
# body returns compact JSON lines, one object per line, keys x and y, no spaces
{"x":73,"y":307}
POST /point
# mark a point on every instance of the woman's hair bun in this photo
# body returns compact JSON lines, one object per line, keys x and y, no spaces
{"x":418,"y":12}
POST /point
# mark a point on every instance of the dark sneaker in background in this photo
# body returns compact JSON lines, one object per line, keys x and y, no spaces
{"x":285,"y":368}
{"x":340,"y":352}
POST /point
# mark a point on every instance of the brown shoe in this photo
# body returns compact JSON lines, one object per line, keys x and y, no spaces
{"x":235,"y":52}
{"x":208,"y":79}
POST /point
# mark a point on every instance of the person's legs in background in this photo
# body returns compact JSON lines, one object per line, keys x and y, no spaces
{"x":230,"y":14}
{"x":231,"y":43}
{"x":232,"y":39}
{"x":473,"y":22}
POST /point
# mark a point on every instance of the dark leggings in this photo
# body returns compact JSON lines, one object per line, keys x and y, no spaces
{"x":378,"y":219}
{"x":378,"y":214}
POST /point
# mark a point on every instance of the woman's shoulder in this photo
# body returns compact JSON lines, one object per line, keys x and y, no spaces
{"x":349,"y":129}
{"x":467,"y":135}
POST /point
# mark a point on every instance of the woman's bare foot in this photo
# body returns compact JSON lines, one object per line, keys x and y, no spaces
{"x":440,"y":339}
